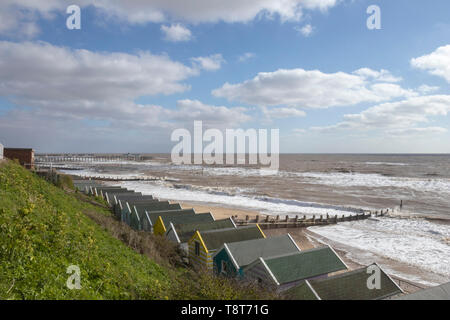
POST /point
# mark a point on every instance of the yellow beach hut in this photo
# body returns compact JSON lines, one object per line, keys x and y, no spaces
{"x":204,"y":244}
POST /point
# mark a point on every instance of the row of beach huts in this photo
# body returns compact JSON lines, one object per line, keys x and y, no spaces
{"x":244,"y":252}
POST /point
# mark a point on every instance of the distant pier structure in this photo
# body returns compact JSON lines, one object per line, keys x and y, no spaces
{"x":85,"y":158}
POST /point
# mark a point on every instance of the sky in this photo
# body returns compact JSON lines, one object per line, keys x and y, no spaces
{"x":137,"y":70}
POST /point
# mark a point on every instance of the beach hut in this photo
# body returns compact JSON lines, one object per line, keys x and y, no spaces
{"x":1,"y":151}
{"x":140,"y":208}
{"x":101,"y":191}
{"x":181,"y":233}
{"x":231,"y":258}
{"x":163,"y":222}
{"x":131,"y":197}
{"x":204,"y":244}
{"x":97,"y":190}
{"x":109,"y":195}
{"x":441,"y":292}
{"x":352,"y":285}
{"x":120,"y":201}
{"x":149,"y":218}
{"x":288,"y":270}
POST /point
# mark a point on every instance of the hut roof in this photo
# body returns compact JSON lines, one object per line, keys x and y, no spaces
{"x":153,"y":215}
{"x":186,"y":230}
{"x":181,"y":219}
{"x":304,"y":264}
{"x":214,"y":239}
{"x":352,"y":285}
{"x":245,"y":252}
{"x":441,"y":292}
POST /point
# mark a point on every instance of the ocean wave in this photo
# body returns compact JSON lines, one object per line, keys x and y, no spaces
{"x":375,"y":181}
{"x":264,"y":205}
{"x":416,"y":242}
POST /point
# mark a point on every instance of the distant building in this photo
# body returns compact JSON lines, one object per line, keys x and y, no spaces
{"x":25,"y":156}
{"x":1,"y":151}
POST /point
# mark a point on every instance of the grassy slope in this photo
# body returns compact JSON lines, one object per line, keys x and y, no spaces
{"x":43,"y":230}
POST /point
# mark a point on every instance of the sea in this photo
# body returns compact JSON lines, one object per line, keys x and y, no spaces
{"x":413,"y":242}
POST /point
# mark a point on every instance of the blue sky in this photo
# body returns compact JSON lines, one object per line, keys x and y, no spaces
{"x":122,"y":83}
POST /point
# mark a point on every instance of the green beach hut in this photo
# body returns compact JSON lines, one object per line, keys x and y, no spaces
{"x":231,"y":258}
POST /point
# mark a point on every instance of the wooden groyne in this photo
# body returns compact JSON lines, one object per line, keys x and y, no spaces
{"x":273,"y":222}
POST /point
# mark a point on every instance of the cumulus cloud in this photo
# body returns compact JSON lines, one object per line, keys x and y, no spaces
{"x":61,"y":83}
{"x":280,"y":113}
{"x":158,"y":11}
{"x":176,"y":33}
{"x":382,"y":75}
{"x":38,"y":71}
{"x":310,"y":89}
{"x":306,"y":30}
{"x":216,"y":116}
{"x":209,"y":63}
{"x":425,"y":89}
{"x":436,"y":63}
{"x":400,"y":116}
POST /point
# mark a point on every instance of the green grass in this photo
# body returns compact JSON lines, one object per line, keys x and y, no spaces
{"x":45,"y":229}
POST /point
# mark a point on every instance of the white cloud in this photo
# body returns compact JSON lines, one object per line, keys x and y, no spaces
{"x":157,"y":11}
{"x":176,"y":33}
{"x":397,"y":117}
{"x":246,"y":56}
{"x":425,"y":89}
{"x":436,"y":63}
{"x":382,"y":75}
{"x":40,"y":71}
{"x":216,"y":116}
{"x":210,"y":63}
{"x":310,"y":89}
{"x":306,"y":30}
{"x":280,"y":113}
{"x":60,"y":83}
{"x":56,"y":89}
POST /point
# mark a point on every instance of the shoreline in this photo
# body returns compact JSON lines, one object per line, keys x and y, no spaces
{"x":406,"y":276}
{"x":306,"y":239}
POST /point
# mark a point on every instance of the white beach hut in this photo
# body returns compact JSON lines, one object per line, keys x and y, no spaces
{"x":1,"y":151}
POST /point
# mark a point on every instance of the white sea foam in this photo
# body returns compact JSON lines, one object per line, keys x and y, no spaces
{"x":387,"y":163}
{"x":376,"y":181}
{"x":416,"y":242}
{"x":221,"y":197}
